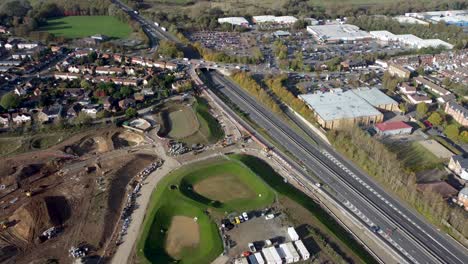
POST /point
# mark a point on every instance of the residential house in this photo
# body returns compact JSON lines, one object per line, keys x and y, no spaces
{"x":159,"y":64}
{"x":353,"y":64}
{"x":74,"y":69}
{"x":100,"y":37}
{"x":3,"y":30}
{"x":431,"y":86}
{"x":147,"y":92}
{"x":459,"y":165}
{"x":74,"y":110}
{"x":458,"y":112}
{"x":463,"y":198}
{"x":27,"y":45}
{"x":126,"y":103}
{"x":108,"y":102}
{"x":139,"y":97}
{"x":399,"y":71}
{"x":66,"y":76}
{"x":19,"y":90}
{"x":417,"y":99}
{"x":90,"y":111}
{"x":50,"y":113}
{"x":4,"y":120}
{"x":20,"y":118}
{"x":406,"y":88}
{"x":81,"y":53}
{"x":446,"y":98}
{"x":171,"y":66}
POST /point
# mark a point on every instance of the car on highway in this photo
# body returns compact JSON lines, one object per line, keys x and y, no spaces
{"x":375,"y":229}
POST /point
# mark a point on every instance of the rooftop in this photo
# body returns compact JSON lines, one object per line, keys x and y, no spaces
{"x":388,"y":126}
{"x":338,"y":32}
{"x":339,"y":105}
{"x":374,"y":96}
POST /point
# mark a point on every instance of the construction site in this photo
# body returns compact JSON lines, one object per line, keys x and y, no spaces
{"x":59,"y":201}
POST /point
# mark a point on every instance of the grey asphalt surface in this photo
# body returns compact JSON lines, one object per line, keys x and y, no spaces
{"x":412,"y":236}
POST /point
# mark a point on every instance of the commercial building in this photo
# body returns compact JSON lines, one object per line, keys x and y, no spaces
{"x":410,"y":20}
{"x":393,"y":128}
{"x":337,"y":110}
{"x":450,"y":17}
{"x":458,"y":112}
{"x":399,"y":71}
{"x":274,"y":19}
{"x":406,"y":88}
{"x":383,"y":35}
{"x":459,"y":165}
{"x":237,"y":21}
{"x":336,"y":33}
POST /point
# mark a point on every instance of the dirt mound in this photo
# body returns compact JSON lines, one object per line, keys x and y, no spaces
{"x":127,"y":139}
{"x":33,"y":218}
{"x":183,"y":234}
{"x":88,"y":145}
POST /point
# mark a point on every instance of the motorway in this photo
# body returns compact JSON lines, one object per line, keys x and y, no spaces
{"x":409,"y":234}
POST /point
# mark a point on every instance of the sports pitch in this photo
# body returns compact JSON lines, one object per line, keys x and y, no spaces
{"x":85,"y":26}
{"x":184,"y":196}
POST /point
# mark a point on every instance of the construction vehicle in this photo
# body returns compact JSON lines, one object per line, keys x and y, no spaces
{"x":4,"y":224}
{"x":28,"y":193}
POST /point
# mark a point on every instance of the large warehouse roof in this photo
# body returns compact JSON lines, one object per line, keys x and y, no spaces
{"x":339,"y":105}
{"x":336,"y":32}
{"x":240,"y":21}
{"x":274,"y":19}
{"x":374,"y":96}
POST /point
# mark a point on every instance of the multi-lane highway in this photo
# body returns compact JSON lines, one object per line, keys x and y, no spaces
{"x":409,"y":234}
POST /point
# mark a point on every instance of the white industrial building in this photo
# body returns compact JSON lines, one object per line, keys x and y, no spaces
{"x":338,"y":33}
{"x":383,"y":35}
{"x":409,"y":40}
{"x":410,"y":20}
{"x":274,"y":19}
{"x":237,"y":21}
{"x":293,"y":234}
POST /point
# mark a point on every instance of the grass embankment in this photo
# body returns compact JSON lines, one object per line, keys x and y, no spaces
{"x":21,"y":144}
{"x":85,"y":26}
{"x":339,"y":234}
{"x":414,"y":156}
{"x":176,"y":196}
{"x":208,"y":124}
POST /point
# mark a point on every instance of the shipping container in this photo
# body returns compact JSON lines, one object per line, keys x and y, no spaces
{"x":259,"y":258}
{"x":293,"y":234}
{"x":252,"y":259}
{"x":293,"y":251}
{"x":268,"y":256}
{"x":285,"y":254}
{"x":276,"y":256}
{"x":302,"y":250}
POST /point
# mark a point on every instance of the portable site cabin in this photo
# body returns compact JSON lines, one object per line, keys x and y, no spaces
{"x":259,"y":258}
{"x":271,"y":256}
{"x":252,"y":259}
{"x":268,"y":256}
{"x":293,"y":234}
{"x":302,"y":250}
{"x":293,"y":251}
{"x":285,"y":254}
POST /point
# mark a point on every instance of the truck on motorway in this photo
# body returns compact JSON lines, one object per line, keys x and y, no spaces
{"x":136,"y":12}
{"x":156,"y":24}
{"x":163,"y":28}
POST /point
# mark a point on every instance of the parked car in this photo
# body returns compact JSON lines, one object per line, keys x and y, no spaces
{"x":269,"y":216}
{"x":245,"y":216}
{"x":252,"y":247}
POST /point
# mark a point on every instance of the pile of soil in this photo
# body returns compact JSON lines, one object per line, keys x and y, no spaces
{"x":33,"y":218}
{"x":88,"y":145}
{"x":126,"y":139}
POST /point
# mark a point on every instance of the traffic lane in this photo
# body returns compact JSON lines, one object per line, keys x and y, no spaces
{"x":381,"y":192}
{"x":436,"y":239}
{"x":339,"y":188}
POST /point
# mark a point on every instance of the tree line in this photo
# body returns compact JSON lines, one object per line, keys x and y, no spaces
{"x":374,"y":157}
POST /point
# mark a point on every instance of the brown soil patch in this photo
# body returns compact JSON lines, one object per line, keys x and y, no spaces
{"x":126,"y":139}
{"x":223,"y":188}
{"x":183,"y":233}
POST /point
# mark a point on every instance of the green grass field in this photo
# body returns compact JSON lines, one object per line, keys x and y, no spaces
{"x":415,"y":156}
{"x":167,"y":202}
{"x":191,"y":125}
{"x":85,"y":26}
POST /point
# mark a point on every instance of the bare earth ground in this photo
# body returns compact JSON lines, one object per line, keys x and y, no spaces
{"x":77,"y":185}
{"x":231,"y":188}
{"x":183,"y":233}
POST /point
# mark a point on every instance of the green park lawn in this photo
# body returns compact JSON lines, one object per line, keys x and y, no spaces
{"x":85,"y":26}
{"x":175,"y":196}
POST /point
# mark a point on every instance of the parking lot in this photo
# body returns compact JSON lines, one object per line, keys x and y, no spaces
{"x":256,"y":230}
